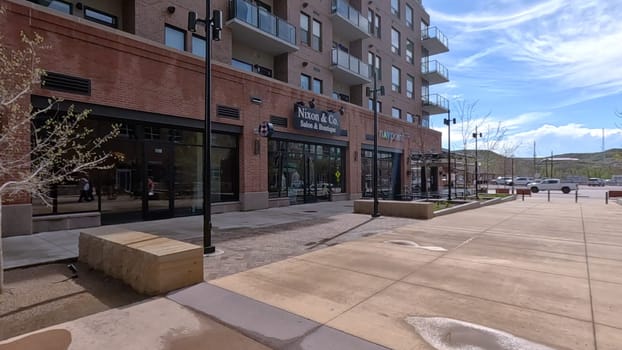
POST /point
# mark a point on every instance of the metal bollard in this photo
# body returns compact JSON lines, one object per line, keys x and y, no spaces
{"x":523,"y":196}
{"x":606,"y":197}
{"x":548,"y":195}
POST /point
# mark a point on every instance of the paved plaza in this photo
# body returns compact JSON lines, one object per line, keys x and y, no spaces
{"x":544,"y":275}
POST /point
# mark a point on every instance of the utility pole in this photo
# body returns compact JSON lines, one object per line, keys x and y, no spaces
{"x":476,"y":135}
{"x":213,"y":31}
{"x":374,"y":93}
{"x":448,"y":122}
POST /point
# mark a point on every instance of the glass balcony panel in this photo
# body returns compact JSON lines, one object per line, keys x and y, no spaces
{"x":286,"y":31}
{"x":246,"y":12}
{"x":263,"y":20}
{"x":343,"y":9}
{"x":434,"y":40}
{"x":351,"y":63}
{"x":267,"y":22}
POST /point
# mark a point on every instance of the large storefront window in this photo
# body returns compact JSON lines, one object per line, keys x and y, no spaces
{"x":389,"y":178}
{"x":155,"y":172}
{"x":305,"y":172}
{"x":225,"y":168}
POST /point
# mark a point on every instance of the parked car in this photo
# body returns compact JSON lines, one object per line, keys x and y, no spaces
{"x":519,"y":181}
{"x":501,"y":180}
{"x":551,"y":185}
{"x":594,"y":181}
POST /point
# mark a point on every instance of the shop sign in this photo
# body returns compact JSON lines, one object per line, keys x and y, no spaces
{"x":391,"y":136}
{"x":316,"y":120}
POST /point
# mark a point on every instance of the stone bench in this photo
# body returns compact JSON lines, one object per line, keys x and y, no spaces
{"x":150,"y":264}
{"x":71,"y":221}
{"x":402,"y":209}
{"x":502,"y":190}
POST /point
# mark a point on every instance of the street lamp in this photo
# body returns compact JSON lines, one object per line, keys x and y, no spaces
{"x":448,"y":122}
{"x":374,"y":93}
{"x":213,"y":26}
{"x":476,"y":135}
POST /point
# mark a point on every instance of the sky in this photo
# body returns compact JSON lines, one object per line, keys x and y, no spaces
{"x":547,"y":71}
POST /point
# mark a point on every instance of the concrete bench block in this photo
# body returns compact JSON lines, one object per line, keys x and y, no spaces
{"x":149,"y":264}
{"x":413,"y":210}
{"x":162,"y":265}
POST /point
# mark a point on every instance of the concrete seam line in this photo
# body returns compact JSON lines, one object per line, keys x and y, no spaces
{"x":589,"y":280}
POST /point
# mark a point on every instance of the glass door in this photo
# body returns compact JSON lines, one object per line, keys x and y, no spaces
{"x":159,"y":160}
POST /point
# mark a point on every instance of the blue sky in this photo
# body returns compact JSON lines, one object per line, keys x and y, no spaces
{"x":549,"y":71}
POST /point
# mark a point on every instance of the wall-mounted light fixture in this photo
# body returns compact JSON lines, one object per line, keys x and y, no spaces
{"x":305,"y":4}
{"x":79,"y":5}
{"x":341,"y":110}
{"x":170,"y":9}
{"x":312,"y":103}
{"x":305,"y":63}
{"x":256,"y":100}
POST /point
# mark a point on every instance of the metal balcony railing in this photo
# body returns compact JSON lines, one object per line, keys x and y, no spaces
{"x":260,"y":18}
{"x":343,"y":9}
{"x":437,"y":102}
{"x":434,"y":34}
{"x":350,"y":63}
{"x":428,"y":67}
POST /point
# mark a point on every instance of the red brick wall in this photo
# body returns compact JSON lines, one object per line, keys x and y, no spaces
{"x":135,"y":73}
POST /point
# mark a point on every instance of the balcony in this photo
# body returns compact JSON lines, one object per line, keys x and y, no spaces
{"x":259,"y":29}
{"x":435,"y":104}
{"x":434,"y":41}
{"x":348,"y":22}
{"x":349,"y":69}
{"x":434,"y":72}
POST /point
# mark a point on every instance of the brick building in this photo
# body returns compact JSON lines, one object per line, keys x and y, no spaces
{"x":303,"y":66}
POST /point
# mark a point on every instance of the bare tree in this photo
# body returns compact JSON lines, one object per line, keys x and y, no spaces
{"x":38,"y":150}
{"x":508,"y":149}
{"x":422,"y":152}
{"x":492,"y":137}
{"x":468,"y":122}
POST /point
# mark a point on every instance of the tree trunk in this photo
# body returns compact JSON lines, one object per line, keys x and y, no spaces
{"x":1,"y":255}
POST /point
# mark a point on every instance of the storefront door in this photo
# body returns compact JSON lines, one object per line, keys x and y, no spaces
{"x":159,"y":160}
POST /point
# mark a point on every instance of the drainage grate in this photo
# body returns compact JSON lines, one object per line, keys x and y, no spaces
{"x":310,"y":211}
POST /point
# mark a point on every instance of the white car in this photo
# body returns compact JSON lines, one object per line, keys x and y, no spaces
{"x":519,"y":181}
{"x":594,"y":181}
{"x":502,"y":180}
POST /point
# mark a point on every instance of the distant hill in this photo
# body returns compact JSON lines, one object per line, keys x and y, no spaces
{"x":598,"y":164}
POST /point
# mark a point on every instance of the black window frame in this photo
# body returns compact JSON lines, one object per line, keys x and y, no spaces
{"x":305,"y":34}
{"x":316,"y":40}
{"x":39,"y":2}
{"x":200,"y":37}
{"x":114,"y":18}
{"x":166,"y":25}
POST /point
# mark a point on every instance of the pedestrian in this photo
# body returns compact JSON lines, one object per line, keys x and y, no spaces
{"x":85,"y":187}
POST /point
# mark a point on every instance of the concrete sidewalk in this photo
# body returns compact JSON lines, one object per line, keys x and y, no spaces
{"x":534,"y":274}
{"x":331,"y":218}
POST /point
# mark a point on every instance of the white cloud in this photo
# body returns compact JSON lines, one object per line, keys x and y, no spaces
{"x":572,"y":44}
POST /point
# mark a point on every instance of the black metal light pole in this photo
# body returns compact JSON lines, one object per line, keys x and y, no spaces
{"x":448,"y":122}
{"x":476,"y":135}
{"x":374,"y":94}
{"x":213,"y":28}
